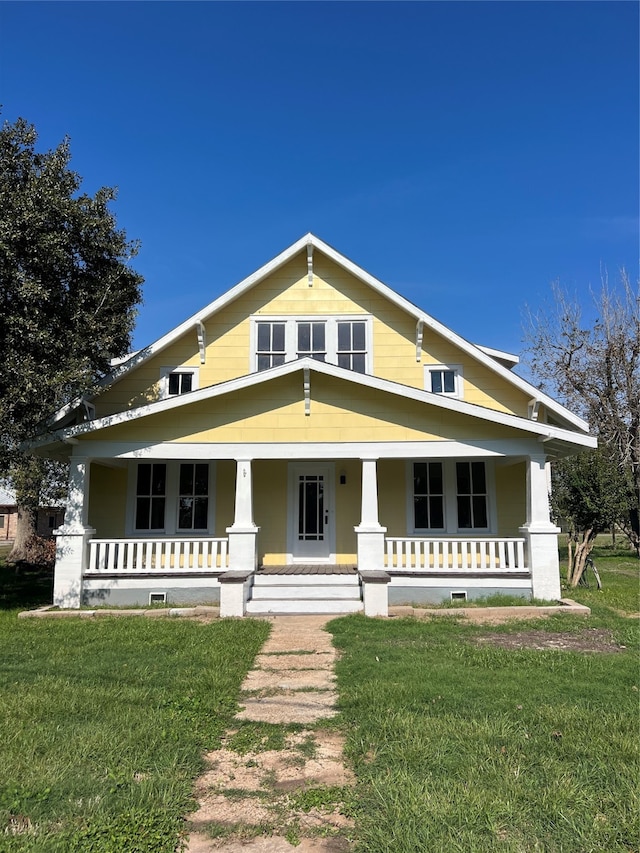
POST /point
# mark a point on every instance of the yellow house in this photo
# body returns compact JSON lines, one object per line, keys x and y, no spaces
{"x":310,"y":442}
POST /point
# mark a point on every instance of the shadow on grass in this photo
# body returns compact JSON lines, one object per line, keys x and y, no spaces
{"x":25,"y":586}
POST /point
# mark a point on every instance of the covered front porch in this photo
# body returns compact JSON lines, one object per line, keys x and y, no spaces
{"x":295,"y":519}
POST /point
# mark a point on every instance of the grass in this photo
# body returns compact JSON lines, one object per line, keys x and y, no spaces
{"x":460,"y":746}
{"x":104,"y":723}
{"x":456,"y":746}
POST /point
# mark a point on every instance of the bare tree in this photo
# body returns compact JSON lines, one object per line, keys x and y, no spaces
{"x":594,"y":368}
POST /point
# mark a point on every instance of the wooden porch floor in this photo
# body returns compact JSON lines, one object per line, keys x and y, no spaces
{"x":310,"y":569}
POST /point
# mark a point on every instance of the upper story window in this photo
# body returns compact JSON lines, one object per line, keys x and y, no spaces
{"x":352,"y":345}
{"x":444,"y":379}
{"x":270,"y":349}
{"x":178,"y":380}
{"x":312,"y":340}
{"x":344,"y":341}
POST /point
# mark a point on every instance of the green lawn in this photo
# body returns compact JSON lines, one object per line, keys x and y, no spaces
{"x":458,"y":745}
{"x":104,"y":724}
{"x":461,"y":745}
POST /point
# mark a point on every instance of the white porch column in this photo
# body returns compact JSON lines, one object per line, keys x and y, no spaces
{"x":540,"y":533}
{"x":243,"y":533}
{"x":370,"y":535}
{"x":72,"y":538}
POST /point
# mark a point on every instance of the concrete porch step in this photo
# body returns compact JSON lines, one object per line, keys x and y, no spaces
{"x":333,"y":591}
{"x":303,"y":605}
{"x":289,"y":579}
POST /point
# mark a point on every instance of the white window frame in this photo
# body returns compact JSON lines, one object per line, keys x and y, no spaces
{"x":456,"y":369}
{"x":291,"y":335}
{"x":450,"y":486}
{"x":171,"y":508}
{"x":166,"y":371}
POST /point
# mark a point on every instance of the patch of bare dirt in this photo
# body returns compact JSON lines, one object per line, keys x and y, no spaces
{"x":586,"y":640}
{"x":259,"y":800}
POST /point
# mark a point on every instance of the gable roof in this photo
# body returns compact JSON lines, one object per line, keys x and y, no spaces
{"x":545,"y":432}
{"x":494,"y":360}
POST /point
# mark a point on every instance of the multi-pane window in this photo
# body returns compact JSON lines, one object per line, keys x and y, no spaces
{"x":352,"y":345}
{"x":443,"y":381}
{"x":193,"y":498}
{"x":311,"y":508}
{"x":471,"y":485}
{"x":312,"y":341}
{"x":428,"y":496}
{"x":271,"y":349}
{"x":180,"y":382}
{"x":151,"y":488}
{"x":344,"y":341}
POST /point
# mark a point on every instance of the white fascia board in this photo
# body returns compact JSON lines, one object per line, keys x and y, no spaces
{"x":545,"y":431}
{"x":508,"y":357}
{"x":120,"y":451}
{"x":480,"y":354}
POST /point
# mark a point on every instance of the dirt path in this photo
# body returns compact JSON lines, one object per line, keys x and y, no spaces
{"x":259,"y":799}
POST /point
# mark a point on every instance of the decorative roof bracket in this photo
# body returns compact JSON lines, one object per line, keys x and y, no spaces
{"x":419,"y":333}
{"x":534,"y":409}
{"x":307,"y":390}
{"x":310,"y":263}
{"x":202,"y":339}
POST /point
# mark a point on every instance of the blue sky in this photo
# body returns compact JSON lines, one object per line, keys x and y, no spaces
{"x":465,"y":153}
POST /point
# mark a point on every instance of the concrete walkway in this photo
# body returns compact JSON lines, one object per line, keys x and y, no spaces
{"x":250,"y":797}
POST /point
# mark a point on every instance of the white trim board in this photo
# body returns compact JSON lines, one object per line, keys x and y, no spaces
{"x":545,"y":431}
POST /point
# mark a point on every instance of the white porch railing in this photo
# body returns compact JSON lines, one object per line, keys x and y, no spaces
{"x":415,"y":554}
{"x":158,"y":556}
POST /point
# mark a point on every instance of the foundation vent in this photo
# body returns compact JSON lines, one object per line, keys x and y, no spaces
{"x":157,"y":598}
{"x":459,"y":596}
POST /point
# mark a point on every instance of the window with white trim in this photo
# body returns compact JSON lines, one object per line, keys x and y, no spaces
{"x":270,"y":349}
{"x":341,"y":340}
{"x":428,"y":496}
{"x":449,"y":496}
{"x":352,"y":345}
{"x":471,"y":490}
{"x":151,"y":495}
{"x":193,"y":496}
{"x":445,"y":379}
{"x":175,"y":381}
{"x":312,"y":340}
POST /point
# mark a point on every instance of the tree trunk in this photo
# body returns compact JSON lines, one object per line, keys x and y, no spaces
{"x":583,"y":549}
{"x":25,"y":530}
{"x":27,"y":480}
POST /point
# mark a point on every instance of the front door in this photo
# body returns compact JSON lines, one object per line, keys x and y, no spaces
{"x":310,"y":520}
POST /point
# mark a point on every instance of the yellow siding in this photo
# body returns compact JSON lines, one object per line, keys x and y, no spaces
{"x":392,"y":497}
{"x":348,"y":501}
{"x":511,"y":498}
{"x":274,"y":411}
{"x":108,"y":500}
{"x":225,"y":495}
{"x":334,"y":292}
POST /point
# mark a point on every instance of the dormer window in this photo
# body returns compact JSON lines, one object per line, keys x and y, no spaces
{"x":343,"y":341}
{"x":180,"y":383}
{"x":444,"y":379}
{"x":271,"y":349}
{"x":175,"y":381}
{"x":352,"y":346}
{"x":312,"y":340}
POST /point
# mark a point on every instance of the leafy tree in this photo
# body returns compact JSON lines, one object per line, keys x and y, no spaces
{"x":595,"y":369}
{"x":589,"y":495}
{"x":67,"y":300}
